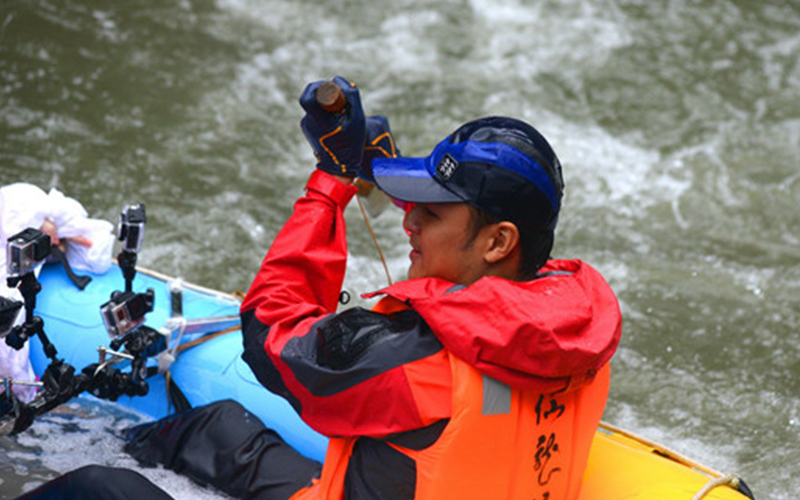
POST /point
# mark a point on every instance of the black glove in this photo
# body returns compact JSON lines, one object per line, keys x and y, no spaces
{"x":337,"y":137}
{"x":380,"y":144}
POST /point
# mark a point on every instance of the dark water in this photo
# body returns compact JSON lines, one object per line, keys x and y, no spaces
{"x":678,"y":123}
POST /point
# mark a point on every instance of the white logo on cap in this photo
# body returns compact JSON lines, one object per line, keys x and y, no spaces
{"x":446,"y":167}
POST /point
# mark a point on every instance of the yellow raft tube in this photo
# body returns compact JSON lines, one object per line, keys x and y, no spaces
{"x":624,"y":466}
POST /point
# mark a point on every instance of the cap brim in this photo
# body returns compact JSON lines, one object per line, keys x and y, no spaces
{"x":408,"y":179}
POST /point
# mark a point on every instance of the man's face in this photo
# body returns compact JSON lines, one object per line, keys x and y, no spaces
{"x":441,"y":243}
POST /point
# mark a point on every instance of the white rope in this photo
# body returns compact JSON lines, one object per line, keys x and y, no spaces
{"x":116,"y":357}
{"x":374,"y":240}
{"x":725,"y":480}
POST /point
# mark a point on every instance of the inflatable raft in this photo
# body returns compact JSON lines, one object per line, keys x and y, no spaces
{"x":203,"y":364}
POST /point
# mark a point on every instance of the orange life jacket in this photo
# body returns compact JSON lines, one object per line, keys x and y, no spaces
{"x":500,"y":443}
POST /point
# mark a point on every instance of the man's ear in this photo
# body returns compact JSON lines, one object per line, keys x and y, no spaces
{"x":503,"y":242}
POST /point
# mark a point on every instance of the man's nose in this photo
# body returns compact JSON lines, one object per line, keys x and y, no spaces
{"x":411,"y":221}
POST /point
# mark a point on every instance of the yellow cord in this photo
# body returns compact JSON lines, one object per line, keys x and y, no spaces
{"x":374,"y":240}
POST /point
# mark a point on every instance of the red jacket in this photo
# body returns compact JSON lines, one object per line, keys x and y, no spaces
{"x":345,"y":372}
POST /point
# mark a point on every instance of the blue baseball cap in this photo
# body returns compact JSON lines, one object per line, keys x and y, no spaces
{"x":500,"y":165}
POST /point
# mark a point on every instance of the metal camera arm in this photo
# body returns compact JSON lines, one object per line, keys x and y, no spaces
{"x":59,"y":385}
{"x":130,"y":232}
{"x":60,"y":381}
{"x":25,"y":251}
{"x":123,"y":315}
{"x":111,"y":383}
{"x":34,"y":325}
{"x":127,"y":263}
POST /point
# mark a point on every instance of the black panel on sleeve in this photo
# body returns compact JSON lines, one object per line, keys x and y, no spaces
{"x":343,"y":350}
{"x":254,"y":335}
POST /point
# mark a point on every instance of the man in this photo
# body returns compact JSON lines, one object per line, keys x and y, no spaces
{"x":482,"y":376}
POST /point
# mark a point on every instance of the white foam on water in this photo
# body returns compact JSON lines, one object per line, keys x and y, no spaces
{"x":525,"y":39}
{"x":410,"y":42}
{"x":611,"y":172}
{"x":407,"y":38}
{"x":87,"y":431}
{"x":715,"y":455}
{"x":774,"y":57}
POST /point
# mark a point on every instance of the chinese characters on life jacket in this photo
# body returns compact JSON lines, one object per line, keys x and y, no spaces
{"x":547,"y":461}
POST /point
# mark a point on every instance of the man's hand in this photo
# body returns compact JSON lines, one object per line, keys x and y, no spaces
{"x":50,"y":229}
{"x":337,"y":137}
{"x":380,"y":144}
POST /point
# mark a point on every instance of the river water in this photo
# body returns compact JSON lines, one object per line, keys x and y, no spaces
{"x":678,"y":123}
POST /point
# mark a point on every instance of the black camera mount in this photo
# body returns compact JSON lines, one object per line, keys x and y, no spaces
{"x":111,"y":383}
{"x":130,"y":232}
{"x":123,"y":315}
{"x":59,"y":385}
{"x":34,"y":325}
{"x":25,"y":251}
